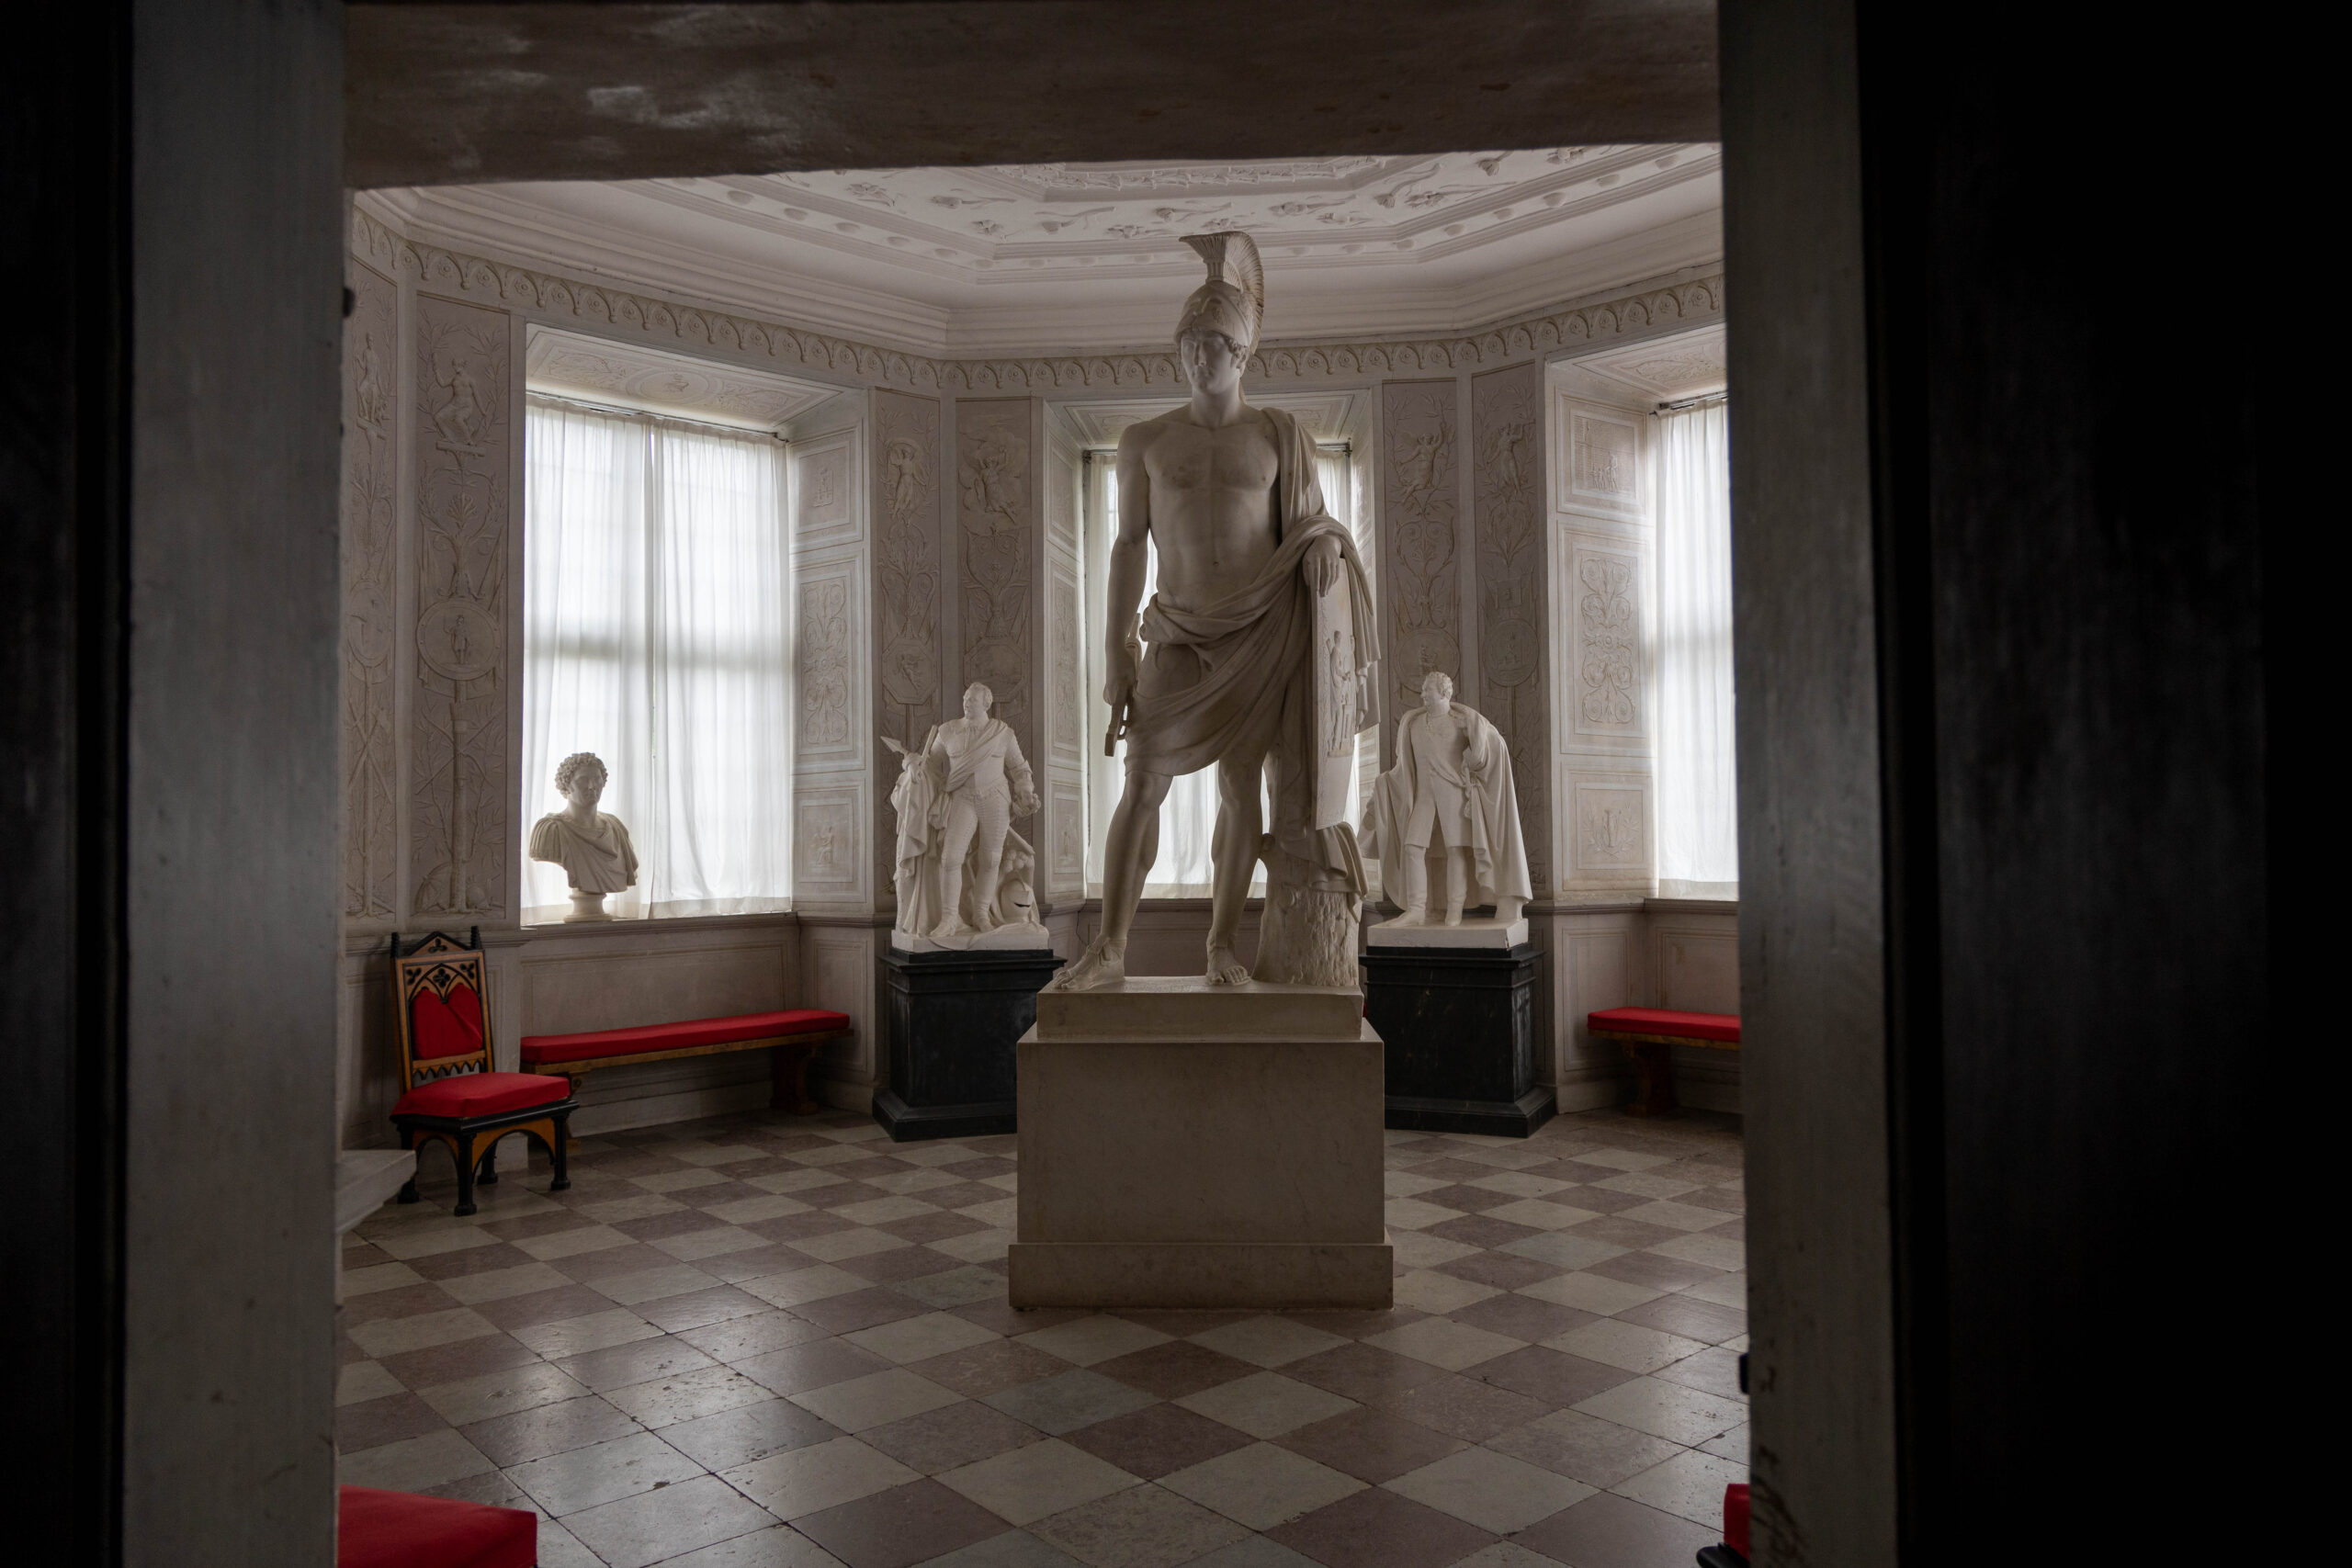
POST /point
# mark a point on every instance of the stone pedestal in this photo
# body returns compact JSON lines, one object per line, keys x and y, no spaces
{"x":1184,"y":1144}
{"x":952,"y":1019}
{"x":1460,"y":1028}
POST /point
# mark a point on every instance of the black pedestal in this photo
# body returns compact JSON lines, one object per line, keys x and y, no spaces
{"x":1460,"y":1028}
{"x":953,"y":1018}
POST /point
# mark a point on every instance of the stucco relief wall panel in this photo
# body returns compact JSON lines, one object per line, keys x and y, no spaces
{"x":371,"y":363}
{"x":1421,"y":516}
{"x":824,"y":500}
{"x":905,"y":512}
{"x":1604,"y":472}
{"x":461,"y":800}
{"x":1507,"y":443}
{"x":1605,"y":595}
{"x":996,"y":472}
{"x":827,"y":676}
{"x":827,"y":865}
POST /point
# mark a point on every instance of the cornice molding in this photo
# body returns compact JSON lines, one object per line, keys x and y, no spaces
{"x":1663,"y":305}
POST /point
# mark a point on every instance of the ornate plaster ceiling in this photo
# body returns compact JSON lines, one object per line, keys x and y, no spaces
{"x":1687,"y":365}
{"x":1054,"y":255}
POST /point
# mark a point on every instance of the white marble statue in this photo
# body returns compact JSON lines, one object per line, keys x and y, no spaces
{"x":963,"y":877}
{"x":591,"y":845}
{"x":1449,"y":793}
{"x":1254,"y":657}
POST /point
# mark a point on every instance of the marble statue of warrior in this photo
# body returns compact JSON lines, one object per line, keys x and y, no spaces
{"x":592,"y":846}
{"x":1228,"y":674}
{"x":957,"y":796}
{"x":1450,"y":790}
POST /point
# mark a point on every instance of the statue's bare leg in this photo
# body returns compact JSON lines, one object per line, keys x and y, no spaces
{"x":1127,"y":852}
{"x":1233,"y":857}
{"x":954,"y":839}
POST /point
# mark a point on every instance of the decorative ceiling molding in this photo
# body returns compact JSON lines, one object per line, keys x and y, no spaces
{"x":1693,"y":298}
{"x":1688,"y":364}
{"x":602,"y":369}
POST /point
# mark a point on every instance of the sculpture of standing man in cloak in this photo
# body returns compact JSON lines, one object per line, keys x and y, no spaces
{"x":1252,"y":657}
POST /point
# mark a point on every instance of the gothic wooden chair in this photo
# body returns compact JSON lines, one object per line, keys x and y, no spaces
{"x":441,"y":992}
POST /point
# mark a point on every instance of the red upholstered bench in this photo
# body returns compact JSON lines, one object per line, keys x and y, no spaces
{"x":794,"y":1034}
{"x":1650,"y":1035}
{"x":400,"y":1530}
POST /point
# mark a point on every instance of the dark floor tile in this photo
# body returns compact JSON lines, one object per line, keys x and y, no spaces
{"x":983,"y":1370}
{"x":543,"y":1307}
{"x":374,"y":1422}
{"x":1687,"y":1315}
{"x":469,"y":1261}
{"x":1711,"y":1371}
{"x":1358,"y":1322}
{"x":400,"y":1300}
{"x":1469,"y":1200}
{"x":1157,"y":1440}
{"x":1504,"y":1270}
{"x":1600,"y":1199}
{"x":1477,"y":1230}
{"x":1622,"y":1232}
{"x":953,"y":1435}
{"x":677,"y":1222}
{"x":906,"y":1525}
{"x":437,"y":1364}
{"x":1555,"y":1377}
{"x":1174,"y":1369}
{"x":1453,"y":1168}
{"x":899,"y":1263}
{"x":366,"y":1255}
{"x":719,"y":1192}
{"x":1370,"y":1444}
{"x":964,"y":1195}
{"x":1584,"y":1448}
{"x":754,"y":1263}
{"x":978,"y":1169}
{"x":1464,"y":1407}
{"x":747,"y":1432}
{"x":794,"y":1227}
{"x":1001,"y":1317}
{"x":1658,"y":1273}
{"x":1364,"y":1373}
{"x":940,"y":1226}
{"x":1608,"y":1532}
{"x":1521,"y":1317}
{"x":637,"y":1361}
{"x":527,"y":1435}
{"x":1380,"y":1529}
{"x":612,"y":1262}
{"x":700,"y":1309}
{"x":797,"y":1369}
{"x":1180,"y":1322}
{"x":859,"y":1309}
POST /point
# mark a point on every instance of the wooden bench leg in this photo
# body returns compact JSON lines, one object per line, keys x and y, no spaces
{"x":1654,"y":1072}
{"x":788,"y":1078}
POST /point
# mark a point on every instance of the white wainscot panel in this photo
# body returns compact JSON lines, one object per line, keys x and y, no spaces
{"x":825,"y":489}
{"x":830,"y":609}
{"x":828,"y":868}
{"x":839,"y":965}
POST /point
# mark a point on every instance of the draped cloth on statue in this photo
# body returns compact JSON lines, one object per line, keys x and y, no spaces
{"x":598,"y":859}
{"x":1491,"y":832}
{"x":1240,"y":678}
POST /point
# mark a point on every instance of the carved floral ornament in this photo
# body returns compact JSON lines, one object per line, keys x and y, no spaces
{"x":524,"y":289}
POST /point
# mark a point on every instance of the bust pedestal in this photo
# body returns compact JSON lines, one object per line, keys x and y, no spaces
{"x":1459,"y":1020}
{"x":953,"y":1016}
{"x":1184,"y":1144}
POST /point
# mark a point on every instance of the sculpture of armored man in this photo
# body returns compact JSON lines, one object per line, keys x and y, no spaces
{"x":592,"y":846}
{"x":1253,"y":656}
{"x":1451,"y":790}
{"x":964,"y":876}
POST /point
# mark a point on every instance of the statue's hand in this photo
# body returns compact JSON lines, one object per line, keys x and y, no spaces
{"x":1323,"y":564}
{"x":1025,"y":804}
{"x":1119,"y":676}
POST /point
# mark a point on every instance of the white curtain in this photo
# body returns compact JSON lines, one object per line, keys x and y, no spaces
{"x":1698,"y":843}
{"x":657,"y":636}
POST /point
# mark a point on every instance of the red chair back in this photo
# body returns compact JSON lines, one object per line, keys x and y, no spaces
{"x":441,"y":997}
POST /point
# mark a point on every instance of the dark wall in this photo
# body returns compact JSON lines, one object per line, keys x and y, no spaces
{"x":168,"y":623}
{"x":2052,"y":678}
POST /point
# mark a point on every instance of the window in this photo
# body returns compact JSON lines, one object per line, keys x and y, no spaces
{"x":1188,"y":818}
{"x":656,"y":636}
{"x":1698,"y":842}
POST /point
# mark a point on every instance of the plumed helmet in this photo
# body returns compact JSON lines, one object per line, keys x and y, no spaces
{"x":1233,"y":300}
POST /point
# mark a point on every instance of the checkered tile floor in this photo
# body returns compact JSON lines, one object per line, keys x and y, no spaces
{"x":768,"y":1340}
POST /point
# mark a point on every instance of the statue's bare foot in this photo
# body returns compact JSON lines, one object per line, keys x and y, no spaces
{"x":1100,"y":965}
{"x":1226,"y":970}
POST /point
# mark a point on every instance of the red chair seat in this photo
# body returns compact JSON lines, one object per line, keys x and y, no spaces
{"x":679,"y":1036}
{"x":399,"y":1529}
{"x":482,"y":1094}
{"x":1723,"y":1026}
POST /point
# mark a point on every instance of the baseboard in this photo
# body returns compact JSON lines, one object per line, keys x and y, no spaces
{"x":1591,"y":1094}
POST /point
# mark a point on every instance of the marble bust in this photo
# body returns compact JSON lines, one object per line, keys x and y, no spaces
{"x":592,"y":846}
{"x":1251,"y":657}
{"x":1450,"y":793}
{"x":963,"y":877}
